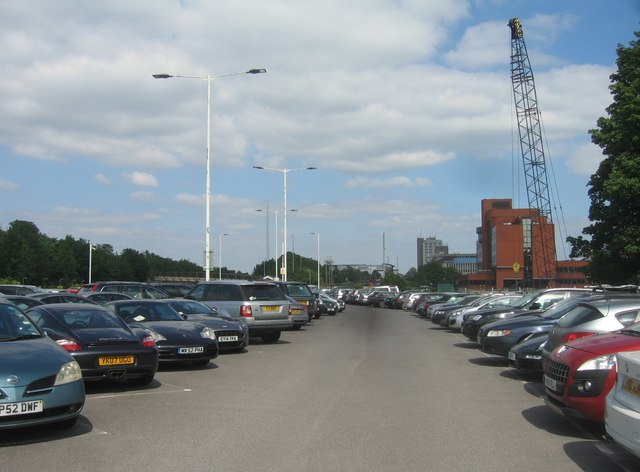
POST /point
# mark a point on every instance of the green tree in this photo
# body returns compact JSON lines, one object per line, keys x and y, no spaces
{"x":612,"y":239}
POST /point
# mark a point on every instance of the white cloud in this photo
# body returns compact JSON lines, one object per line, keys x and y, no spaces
{"x":585,"y":159}
{"x":103,"y":179}
{"x":6,"y":185}
{"x":190,"y":199}
{"x":400,"y":181}
{"x":142,"y":179}
{"x":143,"y":197}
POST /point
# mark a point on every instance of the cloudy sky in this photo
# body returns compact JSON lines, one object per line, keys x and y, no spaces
{"x":404,"y":106}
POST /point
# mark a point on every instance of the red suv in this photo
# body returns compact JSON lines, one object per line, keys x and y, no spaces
{"x":579,"y":375}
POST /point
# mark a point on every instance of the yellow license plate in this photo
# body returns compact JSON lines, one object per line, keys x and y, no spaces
{"x":632,"y":386}
{"x":271,"y":308}
{"x":295,"y":311}
{"x":116,"y":360}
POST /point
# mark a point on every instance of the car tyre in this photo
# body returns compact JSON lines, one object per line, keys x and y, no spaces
{"x":271,"y":337}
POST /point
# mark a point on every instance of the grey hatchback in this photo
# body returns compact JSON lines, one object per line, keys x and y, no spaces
{"x":262,"y":306}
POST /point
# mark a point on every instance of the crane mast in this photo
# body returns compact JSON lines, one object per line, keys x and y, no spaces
{"x":539,"y":243}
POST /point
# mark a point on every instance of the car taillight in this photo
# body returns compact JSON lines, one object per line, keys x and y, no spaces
{"x":245,"y":311}
{"x":148,"y":341}
{"x":69,"y":345}
{"x":577,"y":335}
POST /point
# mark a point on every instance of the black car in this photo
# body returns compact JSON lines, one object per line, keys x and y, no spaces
{"x":231,"y":335}
{"x":178,"y":340}
{"x":302,"y":294}
{"x":527,"y":355}
{"x":498,"y":337}
{"x":540,"y":300}
{"x":24,"y":302}
{"x":61,"y":297}
{"x":440,"y":311}
{"x":103,"y":345}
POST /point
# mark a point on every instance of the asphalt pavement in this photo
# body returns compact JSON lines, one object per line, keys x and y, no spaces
{"x":369,"y":389}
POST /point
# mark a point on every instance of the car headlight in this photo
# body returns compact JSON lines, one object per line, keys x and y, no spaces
{"x":456,"y":313}
{"x":606,"y":362}
{"x":69,"y":372}
{"x":475,"y":317}
{"x":208,"y":333}
{"x":496,"y":333}
{"x":155,"y":335}
{"x":438,"y":312}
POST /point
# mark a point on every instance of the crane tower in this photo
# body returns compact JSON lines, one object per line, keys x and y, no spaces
{"x":539,"y":243}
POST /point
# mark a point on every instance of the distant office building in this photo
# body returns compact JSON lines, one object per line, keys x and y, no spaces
{"x":463,"y":263}
{"x":430,"y":249}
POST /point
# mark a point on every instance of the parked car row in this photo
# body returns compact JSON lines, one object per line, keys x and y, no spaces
{"x":51,"y":346}
{"x":583,"y":345}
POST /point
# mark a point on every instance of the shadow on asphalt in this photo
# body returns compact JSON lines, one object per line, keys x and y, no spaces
{"x":45,"y":433}
{"x":589,"y":456}
{"x":490,"y":361}
{"x":467,"y":345}
{"x":543,"y":418}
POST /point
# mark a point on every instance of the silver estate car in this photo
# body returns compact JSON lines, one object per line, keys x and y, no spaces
{"x":262,"y":306}
{"x":600,"y":315}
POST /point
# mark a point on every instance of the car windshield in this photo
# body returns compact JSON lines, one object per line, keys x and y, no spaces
{"x":262,"y":292}
{"x":523,"y":301}
{"x":142,"y":312}
{"x":190,"y":307}
{"x":578,"y":315}
{"x":15,"y":325}
{"x":559,"y":310}
{"x":298,"y":290}
{"x":86,"y":319}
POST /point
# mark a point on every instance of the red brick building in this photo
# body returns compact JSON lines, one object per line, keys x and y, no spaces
{"x":511,"y":254}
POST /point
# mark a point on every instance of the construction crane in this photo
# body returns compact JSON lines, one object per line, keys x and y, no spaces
{"x":539,"y":243}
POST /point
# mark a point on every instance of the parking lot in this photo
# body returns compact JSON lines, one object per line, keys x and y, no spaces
{"x":369,"y":389}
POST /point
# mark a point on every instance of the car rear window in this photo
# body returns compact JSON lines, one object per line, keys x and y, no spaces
{"x":298,"y":290}
{"x":262,"y":292}
{"x":580,"y":314}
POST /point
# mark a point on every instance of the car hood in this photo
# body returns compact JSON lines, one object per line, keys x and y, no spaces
{"x":607,"y":343}
{"x":31,"y":359}
{"x":104,"y":336}
{"x":213,"y":321}
{"x":520,"y":321}
{"x":173,"y":329}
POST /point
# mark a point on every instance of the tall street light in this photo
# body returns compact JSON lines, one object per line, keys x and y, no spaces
{"x":318,"y":255}
{"x":208,"y":78}
{"x":284,"y":173}
{"x":220,"y":256}
{"x":276,"y":239}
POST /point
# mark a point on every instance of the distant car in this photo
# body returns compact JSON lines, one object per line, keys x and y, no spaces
{"x":579,"y":374}
{"x":455,"y":317}
{"x":299,"y":314}
{"x":327,"y":305}
{"x":540,"y":300}
{"x":24,"y":302}
{"x":106,"y":297}
{"x":9,"y":289}
{"x":622,"y":407}
{"x":498,"y":337}
{"x":40,"y":383}
{"x":232,"y":335}
{"x":301,"y":293}
{"x":61,"y":297}
{"x":178,"y":340}
{"x":174,"y":289}
{"x":262,"y":306}
{"x":378,"y":298}
{"x":437,"y":313}
{"x":137,"y":290}
{"x":105,"y":346}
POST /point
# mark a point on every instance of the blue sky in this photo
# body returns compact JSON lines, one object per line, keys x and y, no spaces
{"x":404,"y":107}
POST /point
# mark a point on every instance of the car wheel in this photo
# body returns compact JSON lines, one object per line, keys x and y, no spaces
{"x":381,"y":304}
{"x":271,"y":337}
{"x":141,"y":381}
{"x":296,"y":327}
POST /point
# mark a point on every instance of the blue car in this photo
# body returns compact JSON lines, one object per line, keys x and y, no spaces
{"x":40,"y":383}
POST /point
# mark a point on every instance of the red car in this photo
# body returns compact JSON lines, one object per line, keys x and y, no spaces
{"x":579,"y":375}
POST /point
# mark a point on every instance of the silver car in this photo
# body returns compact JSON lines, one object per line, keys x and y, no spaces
{"x":490,"y":301}
{"x":262,"y":306}
{"x":598,"y":315}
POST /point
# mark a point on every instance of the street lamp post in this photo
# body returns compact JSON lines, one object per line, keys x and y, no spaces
{"x":208,"y":78}
{"x":284,"y":173}
{"x":220,"y":255}
{"x":318,"y":255}
{"x":276,"y":238}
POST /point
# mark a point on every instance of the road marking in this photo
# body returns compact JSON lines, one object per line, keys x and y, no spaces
{"x":138,"y":394}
